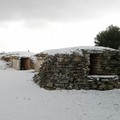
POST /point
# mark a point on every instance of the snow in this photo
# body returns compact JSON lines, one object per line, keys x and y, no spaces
{"x":78,"y":49}
{"x":105,"y":77}
{"x":4,"y":65}
{"x":18,"y":54}
{"x":21,"y":99}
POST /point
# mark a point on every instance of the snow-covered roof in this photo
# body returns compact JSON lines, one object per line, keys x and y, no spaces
{"x":78,"y":49}
{"x":18,"y":54}
{"x":21,"y":54}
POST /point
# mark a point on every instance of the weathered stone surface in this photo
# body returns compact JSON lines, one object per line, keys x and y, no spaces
{"x":58,"y":85}
{"x":49,"y":84}
{"x":110,"y":87}
{"x":94,"y":86}
{"x":102,"y":87}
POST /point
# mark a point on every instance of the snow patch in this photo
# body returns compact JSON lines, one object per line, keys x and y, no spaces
{"x":4,"y":65}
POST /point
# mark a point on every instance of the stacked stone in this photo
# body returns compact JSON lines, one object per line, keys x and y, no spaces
{"x":103,"y":82}
{"x":63,"y":71}
{"x":71,"y":71}
{"x":110,"y":63}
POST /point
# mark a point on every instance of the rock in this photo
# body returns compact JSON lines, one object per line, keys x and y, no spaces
{"x":94,"y":86}
{"x":76,"y":59}
{"x":49,"y":84}
{"x":76,"y":87}
{"x":60,"y":59}
{"x":58,"y":85}
{"x":64,"y":81}
{"x":49,"y":88}
{"x":102,"y":87}
{"x":110,"y":87}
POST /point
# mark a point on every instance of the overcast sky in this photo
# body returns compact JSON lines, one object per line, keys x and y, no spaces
{"x":37,"y":25}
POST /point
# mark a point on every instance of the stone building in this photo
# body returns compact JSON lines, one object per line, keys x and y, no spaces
{"x":80,"y":68}
{"x":19,"y":60}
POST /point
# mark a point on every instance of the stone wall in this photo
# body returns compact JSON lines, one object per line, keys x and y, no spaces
{"x":72,"y":71}
{"x":40,"y":58}
{"x":15,"y":63}
{"x":110,"y":63}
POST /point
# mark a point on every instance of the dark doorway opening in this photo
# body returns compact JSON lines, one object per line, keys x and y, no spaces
{"x":95,"y":65}
{"x":25,"y":64}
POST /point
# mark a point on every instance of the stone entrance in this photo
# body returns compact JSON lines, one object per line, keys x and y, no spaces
{"x":95,"y":65}
{"x":25,"y":64}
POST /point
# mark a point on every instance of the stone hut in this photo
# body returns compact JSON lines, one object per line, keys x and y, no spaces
{"x":19,"y":60}
{"x":80,"y":68}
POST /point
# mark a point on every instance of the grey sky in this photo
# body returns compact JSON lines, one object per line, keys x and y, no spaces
{"x":51,"y":24}
{"x":64,"y":10}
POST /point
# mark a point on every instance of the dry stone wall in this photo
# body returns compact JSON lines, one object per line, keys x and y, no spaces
{"x":72,"y":71}
{"x":110,"y":63}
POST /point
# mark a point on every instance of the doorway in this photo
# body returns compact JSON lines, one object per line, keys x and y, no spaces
{"x":25,"y":64}
{"x":95,"y":65}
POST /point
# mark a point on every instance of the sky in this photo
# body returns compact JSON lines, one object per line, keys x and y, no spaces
{"x":38,"y":25}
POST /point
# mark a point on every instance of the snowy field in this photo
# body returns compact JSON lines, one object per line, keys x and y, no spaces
{"x":21,"y":99}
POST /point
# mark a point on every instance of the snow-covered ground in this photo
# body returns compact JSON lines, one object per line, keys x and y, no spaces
{"x":4,"y":65}
{"x":21,"y":99}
